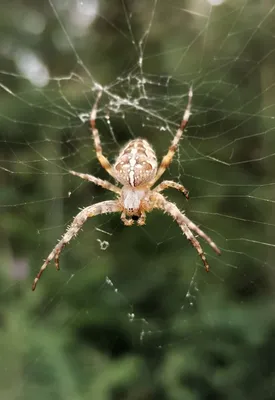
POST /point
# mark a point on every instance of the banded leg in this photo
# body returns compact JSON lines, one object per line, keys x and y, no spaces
{"x":170,"y":184}
{"x":167,"y":159}
{"x":105,"y":184}
{"x":88,"y":212}
{"x":199,"y":232}
{"x":185,"y":225}
{"x":98,"y":148}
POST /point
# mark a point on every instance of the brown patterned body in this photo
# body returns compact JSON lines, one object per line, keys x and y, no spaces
{"x":136,"y":164}
{"x":136,"y":168}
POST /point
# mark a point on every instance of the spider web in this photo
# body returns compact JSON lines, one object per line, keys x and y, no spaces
{"x":145,"y":284}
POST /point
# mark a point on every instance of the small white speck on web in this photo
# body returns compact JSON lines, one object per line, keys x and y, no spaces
{"x":103,"y":244}
{"x":131,"y":317}
{"x":108,"y":281}
{"x":84,"y":117}
{"x":141,"y":336}
{"x":101,"y":230}
{"x":69,"y":194}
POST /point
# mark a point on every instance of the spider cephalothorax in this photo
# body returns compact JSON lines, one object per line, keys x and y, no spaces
{"x":136,"y":169}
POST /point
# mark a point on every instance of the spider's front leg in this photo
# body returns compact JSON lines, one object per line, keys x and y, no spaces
{"x":97,"y":143}
{"x":167,"y":159}
{"x":99,"y":208}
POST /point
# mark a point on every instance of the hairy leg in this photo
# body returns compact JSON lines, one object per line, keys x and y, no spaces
{"x":98,"y":148}
{"x":185,"y":225}
{"x":199,"y":232}
{"x":167,"y":159}
{"x":170,"y":184}
{"x":73,"y":229}
{"x":105,"y":184}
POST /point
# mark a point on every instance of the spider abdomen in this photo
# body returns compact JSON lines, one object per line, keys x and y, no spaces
{"x":136,"y":164}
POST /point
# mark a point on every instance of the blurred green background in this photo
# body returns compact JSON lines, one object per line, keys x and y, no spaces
{"x":132,"y":315}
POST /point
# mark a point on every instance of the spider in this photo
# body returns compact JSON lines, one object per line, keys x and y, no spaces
{"x":136,"y":169}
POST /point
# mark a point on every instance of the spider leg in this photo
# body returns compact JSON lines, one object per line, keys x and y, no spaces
{"x":185,"y":225}
{"x":167,"y":159}
{"x":105,"y":184}
{"x":170,"y":184}
{"x":199,"y":232}
{"x":73,"y":229}
{"x":98,"y":148}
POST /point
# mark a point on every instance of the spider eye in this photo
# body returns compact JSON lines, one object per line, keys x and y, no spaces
{"x":135,"y":217}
